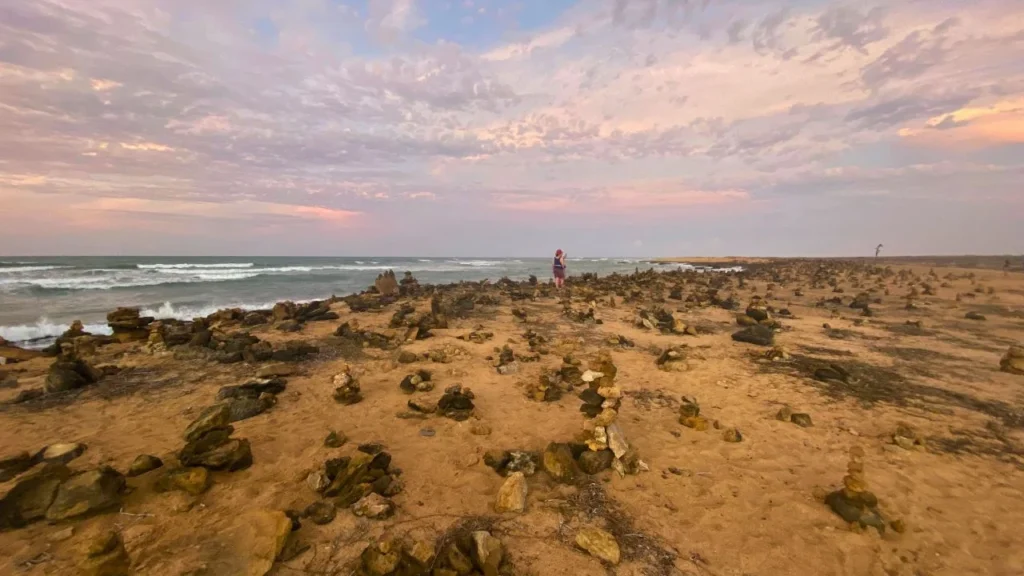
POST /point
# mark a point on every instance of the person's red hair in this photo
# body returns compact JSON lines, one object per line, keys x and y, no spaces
{"x":558,"y":252}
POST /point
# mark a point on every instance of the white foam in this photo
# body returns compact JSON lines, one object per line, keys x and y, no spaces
{"x":477,"y":263}
{"x":44,"y":329}
{"x":186,"y":266}
{"x":22,"y":269}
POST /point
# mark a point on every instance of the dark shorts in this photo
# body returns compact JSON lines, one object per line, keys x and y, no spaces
{"x":559,"y":273}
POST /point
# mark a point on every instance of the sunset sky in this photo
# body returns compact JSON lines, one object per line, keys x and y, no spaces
{"x":510,"y":128}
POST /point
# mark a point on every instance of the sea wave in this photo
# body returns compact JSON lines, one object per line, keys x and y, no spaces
{"x":478,"y":263}
{"x":23,"y":269}
{"x":187,"y":266}
{"x":42,"y":330}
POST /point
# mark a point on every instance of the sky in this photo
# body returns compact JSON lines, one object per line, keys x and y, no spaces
{"x":511,"y":128}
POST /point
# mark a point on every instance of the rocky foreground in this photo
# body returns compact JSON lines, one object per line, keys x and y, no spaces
{"x":800,"y":417}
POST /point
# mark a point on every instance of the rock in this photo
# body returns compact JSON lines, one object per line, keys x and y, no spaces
{"x":406,"y":357}
{"x":193,"y":481}
{"x":510,"y":368}
{"x":86,"y":493}
{"x":856,"y":508}
{"x":422,"y":405}
{"x":1013,"y":361}
{"x":14,"y":465}
{"x":591,"y":462}
{"x":416,"y":382}
{"x":11,"y":353}
{"x":381,"y":558}
{"x":732,"y":435}
{"x":974,"y":316}
{"x":64,"y":453}
{"x":386,"y":284}
{"x":832,"y":372}
{"x":216,"y":416}
{"x":8,"y":381}
{"x":801,"y":419}
{"x":253,"y":389}
{"x":144,"y":463}
{"x":759,"y":335}
{"x":29,"y":499}
{"x":599,"y":544}
{"x":487,"y":552}
{"x":698,"y":423}
{"x":456,"y":403}
{"x":479,"y":429}
{"x":69,"y":375}
{"x":559,"y":464}
{"x":320,"y":512}
{"x":245,"y":408}
{"x":233,"y":455}
{"x":512,"y":494}
{"x":264,"y":536}
{"x":616,"y":440}
{"x":784,"y":414}
{"x":374,"y":506}
{"x":106,"y":556}
{"x":347,"y":391}
{"x":335,"y":440}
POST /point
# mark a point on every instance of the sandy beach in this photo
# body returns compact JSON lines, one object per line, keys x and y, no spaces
{"x":905,"y":396}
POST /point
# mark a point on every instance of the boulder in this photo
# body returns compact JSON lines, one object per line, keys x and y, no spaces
{"x":264,"y":535}
{"x":30,"y":498}
{"x":512,"y":494}
{"x":144,"y":463}
{"x":216,"y":416}
{"x":599,"y":544}
{"x":759,"y":335}
{"x":106,"y":556}
{"x":87,"y":493}
{"x":559,"y":463}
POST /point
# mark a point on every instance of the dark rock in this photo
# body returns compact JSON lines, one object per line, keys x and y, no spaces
{"x":759,"y":335}
{"x":233,"y":455}
{"x":30,"y":498}
{"x":245,"y":408}
{"x":456,"y":403}
{"x":144,"y":463}
{"x":253,"y":389}
{"x":67,"y":375}
{"x":14,"y":465}
{"x":406,"y":357}
{"x":974,"y":316}
{"x":591,"y":462}
{"x":413,"y":382}
{"x":860,"y":508}
{"x":320,"y":512}
{"x":216,"y":416}
{"x":335,"y":440}
{"x":289,"y":326}
{"x":832,"y":372}
{"x":226,"y":357}
{"x":591,"y":397}
{"x":28,"y":395}
{"x":801,"y":419}
{"x":87,"y":493}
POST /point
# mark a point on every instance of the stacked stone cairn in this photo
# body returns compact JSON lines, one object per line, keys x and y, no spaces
{"x":605,"y":441}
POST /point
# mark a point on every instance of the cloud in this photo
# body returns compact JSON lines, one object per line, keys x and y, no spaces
{"x":163,"y":111}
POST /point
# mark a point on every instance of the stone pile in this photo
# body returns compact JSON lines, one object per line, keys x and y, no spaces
{"x":475,"y":552}
{"x":69,"y":373}
{"x":252,"y":398}
{"x":419,"y":381}
{"x":209,"y":445}
{"x":602,"y":435}
{"x":854,"y":503}
{"x":128,"y":326}
{"x":408,"y":286}
{"x":506,"y":362}
{"x":386,"y":284}
{"x":346,"y":389}
{"x":674,"y":359}
{"x":362,"y":482}
{"x":456,"y":403}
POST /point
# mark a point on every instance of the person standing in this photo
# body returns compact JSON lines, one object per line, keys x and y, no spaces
{"x":558,"y":268}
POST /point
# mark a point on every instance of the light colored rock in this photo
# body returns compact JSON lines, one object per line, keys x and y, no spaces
{"x":590,"y":376}
{"x":488,"y":552}
{"x":599,"y":544}
{"x":512,"y":494}
{"x":265,"y":533}
{"x":617,"y":440}
{"x":374,"y":506}
{"x":610,"y":392}
{"x":277,"y":369}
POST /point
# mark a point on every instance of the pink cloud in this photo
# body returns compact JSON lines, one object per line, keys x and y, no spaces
{"x":646,"y":197}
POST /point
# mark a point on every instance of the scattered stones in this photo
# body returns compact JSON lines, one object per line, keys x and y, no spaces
{"x":512,"y":494}
{"x":457,"y":403}
{"x":374,"y":506}
{"x":599,"y":544}
{"x":477,"y":336}
{"x":144,"y":463}
{"x":759,"y":335}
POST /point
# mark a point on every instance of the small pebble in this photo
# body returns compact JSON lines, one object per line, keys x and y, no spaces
{"x":427,"y":432}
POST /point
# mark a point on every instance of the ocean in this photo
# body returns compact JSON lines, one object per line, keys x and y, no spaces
{"x":40,"y":297}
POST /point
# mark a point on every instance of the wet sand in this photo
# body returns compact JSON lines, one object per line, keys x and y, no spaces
{"x":706,"y":507}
